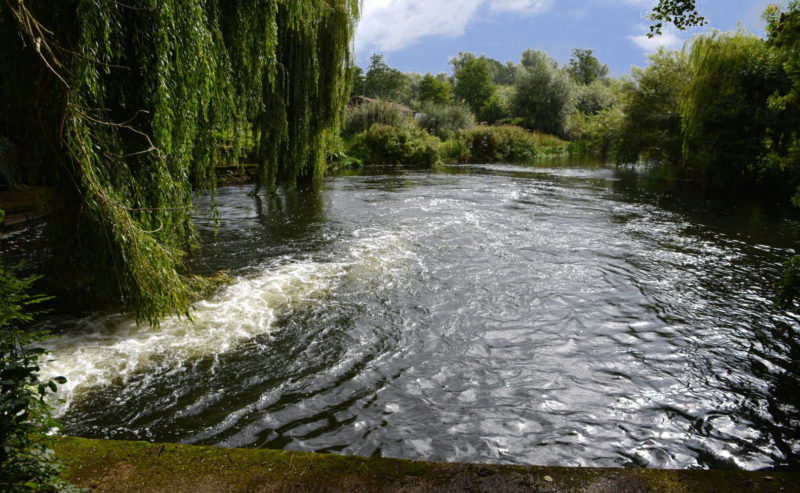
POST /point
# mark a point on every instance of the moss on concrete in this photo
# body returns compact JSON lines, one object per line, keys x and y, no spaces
{"x":105,"y":465}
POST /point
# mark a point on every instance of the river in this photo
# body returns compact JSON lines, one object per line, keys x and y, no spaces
{"x":557,"y":314}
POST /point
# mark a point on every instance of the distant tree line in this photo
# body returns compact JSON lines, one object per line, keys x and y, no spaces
{"x":722,"y":112}
{"x":494,"y":91}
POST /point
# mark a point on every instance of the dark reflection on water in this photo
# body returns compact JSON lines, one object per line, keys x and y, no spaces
{"x":550,"y":315}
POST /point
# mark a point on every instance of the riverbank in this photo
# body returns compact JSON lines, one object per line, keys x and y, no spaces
{"x":21,"y":207}
{"x":106,"y":465}
{"x":31,"y":204}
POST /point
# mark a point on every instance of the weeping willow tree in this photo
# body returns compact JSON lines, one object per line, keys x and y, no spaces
{"x":728,"y":124}
{"x":125,"y":107}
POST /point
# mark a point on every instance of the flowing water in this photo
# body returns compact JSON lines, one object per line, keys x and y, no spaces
{"x":540,"y":315}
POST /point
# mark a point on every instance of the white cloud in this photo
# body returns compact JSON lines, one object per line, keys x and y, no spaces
{"x":668,"y":39}
{"x":390,"y":25}
{"x":525,"y":7}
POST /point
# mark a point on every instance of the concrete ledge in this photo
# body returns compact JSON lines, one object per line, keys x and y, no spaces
{"x":106,"y":465}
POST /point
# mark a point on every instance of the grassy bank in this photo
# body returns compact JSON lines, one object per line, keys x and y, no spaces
{"x":103,"y":465}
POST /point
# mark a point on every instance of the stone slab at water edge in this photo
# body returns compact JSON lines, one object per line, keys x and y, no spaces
{"x":107,"y":465}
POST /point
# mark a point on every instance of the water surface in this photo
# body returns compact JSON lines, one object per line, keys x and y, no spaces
{"x":545,"y":315}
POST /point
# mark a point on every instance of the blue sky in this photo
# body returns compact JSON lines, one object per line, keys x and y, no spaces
{"x":422,"y":35}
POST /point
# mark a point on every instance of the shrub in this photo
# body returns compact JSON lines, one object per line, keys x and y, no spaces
{"x":500,"y":144}
{"x":512,"y":121}
{"x":444,"y":119}
{"x":595,"y":97}
{"x":495,"y":108}
{"x":385,"y":144}
{"x":26,"y":463}
{"x":361,"y":118}
{"x":599,"y":133}
{"x":454,"y":151}
{"x":356,"y":147}
{"x":337,"y":155}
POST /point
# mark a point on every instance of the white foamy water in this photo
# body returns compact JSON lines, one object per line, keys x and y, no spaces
{"x":99,"y":350}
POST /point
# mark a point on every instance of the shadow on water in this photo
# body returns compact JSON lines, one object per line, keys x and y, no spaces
{"x":773,"y":354}
{"x":773,"y":347}
{"x":252,"y":229}
{"x":753,"y":219}
{"x":774,"y":351}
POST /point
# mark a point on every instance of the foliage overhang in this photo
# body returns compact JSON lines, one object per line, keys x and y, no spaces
{"x":125,"y":108}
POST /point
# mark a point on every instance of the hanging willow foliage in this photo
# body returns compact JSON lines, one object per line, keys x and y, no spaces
{"x":728,"y":124}
{"x":125,"y":107}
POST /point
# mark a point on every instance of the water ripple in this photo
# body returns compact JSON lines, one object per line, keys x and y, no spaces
{"x":487,"y":313}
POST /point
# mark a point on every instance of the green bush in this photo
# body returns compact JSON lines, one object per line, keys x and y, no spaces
{"x":356,"y":147}
{"x":338,"y":155}
{"x":361,"y":118}
{"x":26,"y":463}
{"x":454,"y":150}
{"x":601,"y":133}
{"x":500,"y":144}
{"x":385,"y":144}
{"x":511,"y":121}
{"x":494,"y":109}
{"x":549,"y":144}
{"x":442,"y":120}
{"x":593,"y":98}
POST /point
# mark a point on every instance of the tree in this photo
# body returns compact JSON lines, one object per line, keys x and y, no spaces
{"x":358,"y":81}
{"x":433,"y":90}
{"x":474,"y":83}
{"x":383,"y":81}
{"x":537,"y":60}
{"x":783,"y":29}
{"x":460,"y":61}
{"x":681,"y":13}
{"x":585,"y":68}
{"x":596,"y":97}
{"x":502,"y":74}
{"x":134,"y":102}
{"x":545,"y":94}
{"x":651,"y":128}
{"x":728,"y":122}
{"x":495,"y":108}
